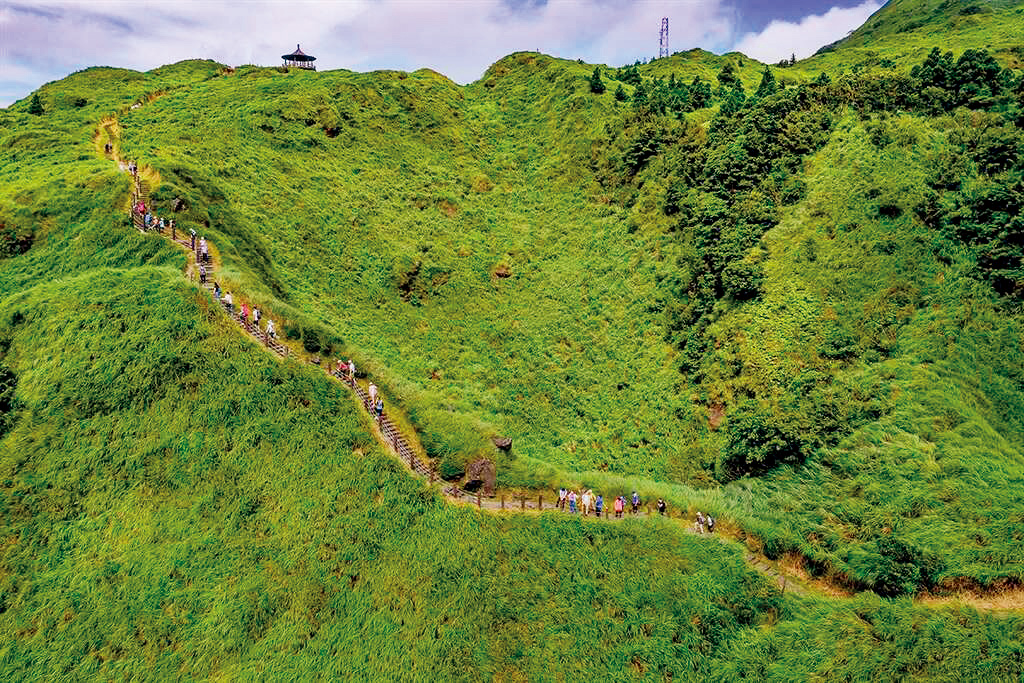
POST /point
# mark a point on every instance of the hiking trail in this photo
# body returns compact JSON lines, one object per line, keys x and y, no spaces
{"x":791,"y":579}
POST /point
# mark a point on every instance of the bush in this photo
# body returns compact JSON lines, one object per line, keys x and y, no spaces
{"x":312,"y":339}
{"x":756,"y":441}
{"x":743,"y":280}
{"x":35,"y":107}
{"x":892,"y":567}
{"x":838,"y":344}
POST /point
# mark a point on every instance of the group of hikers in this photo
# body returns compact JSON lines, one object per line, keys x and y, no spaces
{"x":151,"y":221}
{"x":248,"y":316}
{"x":586,"y":501}
{"x":346,"y":370}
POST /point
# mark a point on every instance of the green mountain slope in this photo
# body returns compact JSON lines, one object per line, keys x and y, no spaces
{"x":791,"y":300}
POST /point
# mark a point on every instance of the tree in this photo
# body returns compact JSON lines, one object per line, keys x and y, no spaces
{"x":700,"y":93}
{"x":734,"y":100}
{"x":620,"y":94}
{"x":596,"y":84}
{"x":727,"y":78}
{"x":35,"y":107}
{"x":792,"y":59}
{"x":768,"y":85}
{"x":742,"y":280}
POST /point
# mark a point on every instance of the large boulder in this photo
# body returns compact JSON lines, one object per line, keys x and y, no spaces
{"x":502,"y":443}
{"x":481,"y":475}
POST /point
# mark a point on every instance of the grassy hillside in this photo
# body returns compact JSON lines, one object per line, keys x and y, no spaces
{"x":215,"y":513}
{"x":789,"y":299}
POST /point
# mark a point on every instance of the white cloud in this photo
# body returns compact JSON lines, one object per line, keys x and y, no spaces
{"x":459,"y":39}
{"x":780,"y":39}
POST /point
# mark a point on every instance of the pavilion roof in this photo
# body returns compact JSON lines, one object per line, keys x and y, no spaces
{"x":298,"y":56}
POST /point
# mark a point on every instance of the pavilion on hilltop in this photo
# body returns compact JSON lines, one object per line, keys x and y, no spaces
{"x":299,"y":60}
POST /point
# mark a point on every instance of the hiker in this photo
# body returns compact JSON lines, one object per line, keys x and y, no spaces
{"x":698,"y":526}
{"x":229,"y":303}
{"x":352,"y":371}
{"x":161,"y":225}
{"x":711,"y":524}
{"x":204,"y":249}
{"x":636,"y":502}
{"x":339,"y":370}
{"x":619,"y":504}
{"x":174,"y":230}
{"x":572,"y":502}
{"x":661,"y":507}
{"x":147,"y":218}
{"x":256,"y":317}
{"x":243,"y":314}
{"x":562,"y":493}
{"x":192,"y":233}
{"x":379,"y":408}
{"x":373,"y":393}
{"x":271,"y":333}
{"x":202,"y":274}
{"x":598,"y":505}
{"x":586,"y":500}
{"x":216,"y":290}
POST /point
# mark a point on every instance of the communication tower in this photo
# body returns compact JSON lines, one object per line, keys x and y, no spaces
{"x":663,"y":38}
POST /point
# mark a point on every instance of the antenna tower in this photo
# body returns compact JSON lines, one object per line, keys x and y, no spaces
{"x":663,"y":38}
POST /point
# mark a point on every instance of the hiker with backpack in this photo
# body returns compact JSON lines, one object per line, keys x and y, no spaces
{"x":598,"y":505}
{"x":619,"y":505}
{"x":229,"y":303}
{"x":202,"y":274}
{"x":572,"y":502}
{"x":204,"y":250}
{"x":243,"y":314}
{"x":373,"y":393}
{"x":562,"y":495}
{"x":271,"y":332}
{"x":636,"y":502}
{"x":661,"y":507}
{"x":711,"y":524}
{"x":379,"y":408}
{"x":698,"y":526}
{"x":216,"y":290}
{"x":192,"y":235}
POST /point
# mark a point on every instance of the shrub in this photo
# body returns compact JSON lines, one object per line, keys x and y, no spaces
{"x":756,"y":441}
{"x":312,"y":339}
{"x":892,"y":567}
{"x":35,"y":107}
{"x":743,"y":280}
{"x":839,"y":343}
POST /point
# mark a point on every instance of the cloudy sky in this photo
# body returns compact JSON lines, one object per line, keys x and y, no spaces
{"x":41,"y":41}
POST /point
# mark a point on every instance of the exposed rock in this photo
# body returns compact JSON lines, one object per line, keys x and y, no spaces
{"x":502,"y":443}
{"x":481,"y":474}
